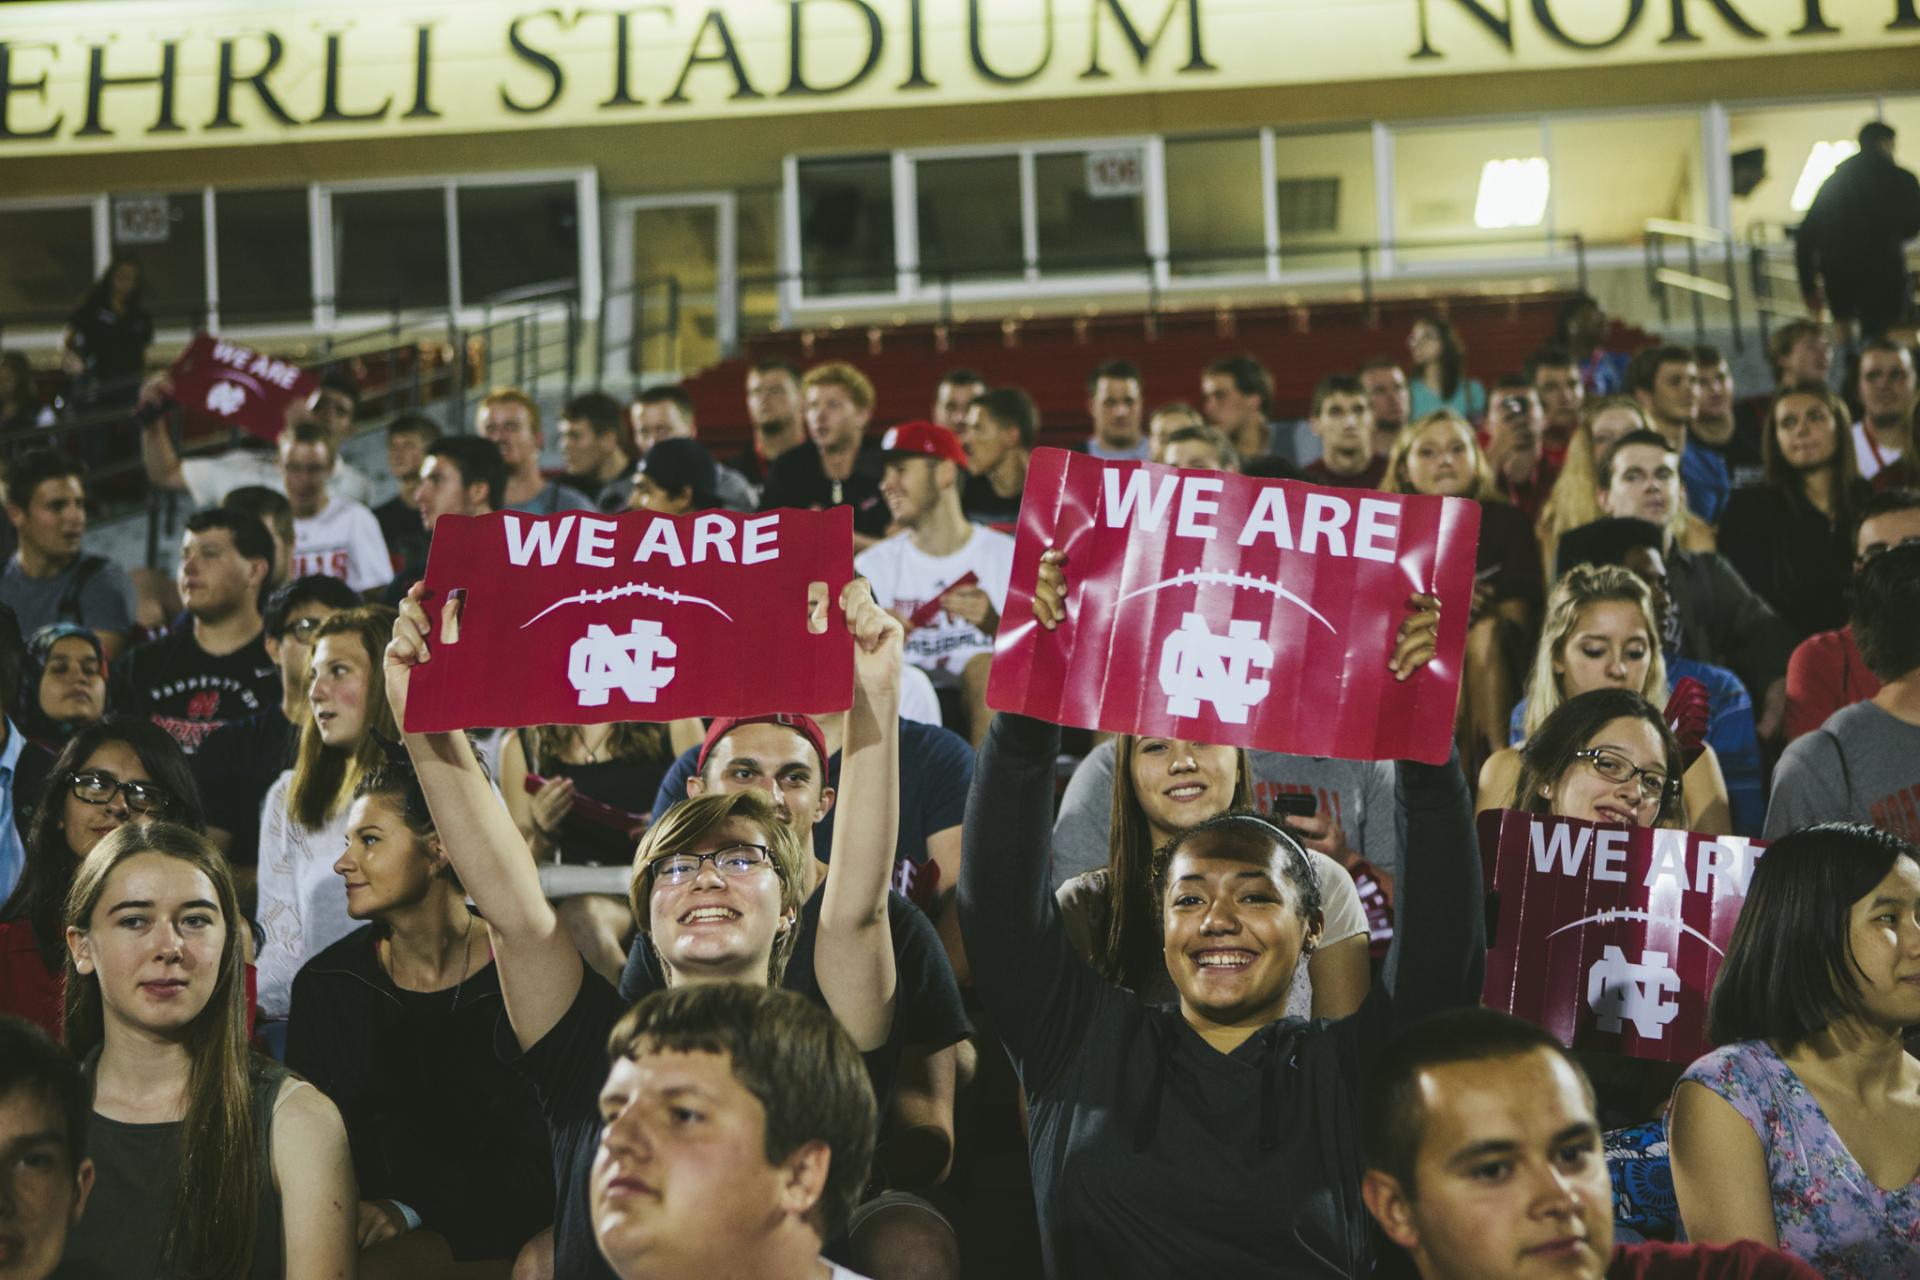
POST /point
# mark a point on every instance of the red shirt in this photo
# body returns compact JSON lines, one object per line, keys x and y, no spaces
{"x":28,"y":990}
{"x":1743,"y":1260}
{"x":1825,"y":673}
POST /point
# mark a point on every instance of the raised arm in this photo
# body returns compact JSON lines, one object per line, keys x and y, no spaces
{"x":540,"y":971}
{"x":156,"y":441}
{"x":853,"y":950}
{"x":1440,"y":936}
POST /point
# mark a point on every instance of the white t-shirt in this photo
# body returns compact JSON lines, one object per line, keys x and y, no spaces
{"x":905,"y":577}
{"x":210,"y":480}
{"x":1871,"y":454}
{"x":343,"y":542}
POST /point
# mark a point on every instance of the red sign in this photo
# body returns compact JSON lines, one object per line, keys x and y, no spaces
{"x":580,"y":618}
{"x":1610,"y":937}
{"x":238,"y":386}
{"x":1223,"y":609}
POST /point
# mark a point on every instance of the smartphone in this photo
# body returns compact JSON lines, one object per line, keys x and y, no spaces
{"x":1515,"y":406}
{"x":1295,"y":805}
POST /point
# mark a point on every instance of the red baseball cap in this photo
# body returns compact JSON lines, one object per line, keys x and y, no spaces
{"x":806,"y":726}
{"x":926,"y":440}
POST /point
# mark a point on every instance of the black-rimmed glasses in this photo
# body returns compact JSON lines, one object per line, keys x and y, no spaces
{"x":734,"y":860}
{"x":1654,"y":783}
{"x":141,"y":797}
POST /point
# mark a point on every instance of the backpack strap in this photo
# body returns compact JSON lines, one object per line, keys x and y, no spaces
{"x":68,"y":609}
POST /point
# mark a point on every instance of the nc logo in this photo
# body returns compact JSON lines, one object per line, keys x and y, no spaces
{"x":603,"y":660}
{"x":225,"y":399}
{"x":1618,"y":989}
{"x":1198,"y":666}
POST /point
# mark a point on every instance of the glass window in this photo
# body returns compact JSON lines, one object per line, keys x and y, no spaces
{"x":846,"y":226}
{"x":1589,"y":197}
{"x":1325,"y":191}
{"x":1797,"y":147}
{"x":1216,"y":223}
{"x":266,"y":268}
{"x":1091,"y":211}
{"x":515,"y":238}
{"x":1485,"y":189}
{"x":46,"y":263}
{"x":167,"y":235}
{"x":969,"y":213}
{"x":390,"y":249}
{"x":757,"y":249}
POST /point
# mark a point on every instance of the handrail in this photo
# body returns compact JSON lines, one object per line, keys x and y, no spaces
{"x":1697,"y":286}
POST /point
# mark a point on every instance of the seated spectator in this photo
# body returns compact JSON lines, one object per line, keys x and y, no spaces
{"x":272,"y":509}
{"x":1440,"y":378}
{"x":920,"y":574}
{"x":238,"y":763}
{"x":1863,"y":763}
{"x":1887,"y":402}
{"x":833,"y":466}
{"x":1554,"y":375}
{"x":1635,"y":545}
{"x":1581,"y":331}
{"x":1515,"y":446}
{"x":1666,"y":383}
{"x":400,"y":525}
{"x":1788,"y":536}
{"x":460,"y":476}
{"x":1826,"y":671}
{"x":23,"y":765}
{"x":1440,"y":456}
{"x":777,"y":1074}
{"x":395,"y":1024}
{"x":1237,"y":394}
{"x":1600,"y":633}
{"x":49,"y":578}
{"x":1123,"y":1095}
{"x":1574,"y":499}
{"x":1604,"y":756}
{"x":676,"y":476}
{"x":1200,"y":448}
{"x":63,"y":684}
{"x":43,"y":1139}
{"x":1801,"y":351}
{"x":1115,"y":398}
{"x":998,"y":433}
{"x":958,"y":389}
{"x":196,"y":678}
{"x":332,"y":535}
{"x":610,"y":767}
{"x":775,"y":409}
{"x":592,"y":431}
{"x":303,"y":823}
{"x":106,"y":776}
{"x":1175,"y":415}
{"x":1485,"y":1162}
{"x":1799,"y":1131}
{"x":509,"y":417}
{"x":209,"y":1159}
{"x":1162,"y":786}
{"x":1389,"y":398}
{"x":1720,"y":426}
{"x":1343,"y":420}
{"x":666,"y":413}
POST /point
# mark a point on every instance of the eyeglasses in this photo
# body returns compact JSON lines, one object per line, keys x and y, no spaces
{"x":141,"y":797}
{"x":1877,"y":549}
{"x":734,"y":860}
{"x":303,"y":629}
{"x":1654,"y":785}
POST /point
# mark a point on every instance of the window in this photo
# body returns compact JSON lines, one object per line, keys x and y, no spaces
{"x":1484,"y":189}
{"x":1325,"y":193}
{"x":1090,"y":211}
{"x":266,"y":266}
{"x":167,"y":236}
{"x":1786,"y":138}
{"x":46,"y":263}
{"x":846,"y":226}
{"x":390,"y":249}
{"x":1668,"y":167}
{"x":969,"y":218}
{"x":1216,"y":220}
{"x":517,"y":238}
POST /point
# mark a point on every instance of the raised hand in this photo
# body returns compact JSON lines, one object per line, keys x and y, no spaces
{"x":1050,"y":589}
{"x":1419,"y":635}
{"x":408,"y":648}
{"x":879,"y":638}
{"x":972,"y":605}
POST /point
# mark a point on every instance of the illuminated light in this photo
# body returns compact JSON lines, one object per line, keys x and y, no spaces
{"x":1821,"y":162}
{"x":1513,"y":193}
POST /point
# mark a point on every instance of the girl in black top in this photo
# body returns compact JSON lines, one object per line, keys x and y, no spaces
{"x":1219,"y":1137}
{"x":104,"y":348}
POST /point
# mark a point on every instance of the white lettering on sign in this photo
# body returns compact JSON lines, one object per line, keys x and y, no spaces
{"x":602,"y":661}
{"x":1609,"y":851}
{"x":590,"y":540}
{"x":1619,"y":990}
{"x":1120,"y":502}
{"x":1565,"y":846}
{"x":1329,"y":524}
{"x":541,"y":538}
{"x":1721,"y":865}
{"x":1198,"y":666}
{"x":596,"y":540}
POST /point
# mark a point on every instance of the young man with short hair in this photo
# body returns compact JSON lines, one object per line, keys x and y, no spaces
{"x":1666,"y":383}
{"x":331,"y":535}
{"x":1343,"y":420}
{"x":920,"y":574}
{"x":774,"y":407}
{"x":1236,"y":395}
{"x":400,"y":525}
{"x":197,"y":678}
{"x":271,"y":508}
{"x":1390,"y":398}
{"x":998,"y":434}
{"x":460,"y":476}
{"x":1116,"y":407}
{"x":833,"y":467}
{"x":666,"y":413}
{"x":1800,"y":351}
{"x":1485,"y":1162}
{"x":1515,"y":445}
{"x":49,"y":578}
{"x":1723,"y":425}
{"x":45,"y":1177}
{"x":592,"y":429}
{"x":509,"y":417}
{"x":1863,"y":763}
{"x":958,"y":389}
{"x":1554,"y":375}
{"x":1886,"y":399}
{"x":738,"y":1130}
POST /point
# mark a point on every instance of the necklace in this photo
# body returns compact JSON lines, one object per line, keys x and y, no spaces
{"x":466,"y":957}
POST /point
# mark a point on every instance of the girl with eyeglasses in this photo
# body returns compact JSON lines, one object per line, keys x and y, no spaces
{"x":395,"y":1023}
{"x":1603,"y":756}
{"x":109,"y":774}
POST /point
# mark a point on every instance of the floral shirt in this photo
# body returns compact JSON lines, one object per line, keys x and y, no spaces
{"x":1825,"y":1208}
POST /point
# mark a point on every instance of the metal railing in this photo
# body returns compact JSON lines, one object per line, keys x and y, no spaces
{"x":1706,"y":249}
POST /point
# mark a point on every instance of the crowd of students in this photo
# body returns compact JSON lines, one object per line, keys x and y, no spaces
{"x":897,"y":992}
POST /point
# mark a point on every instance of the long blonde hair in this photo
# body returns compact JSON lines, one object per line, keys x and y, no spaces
{"x":217,"y":1185}
{"x":1397,"y":479}
{"x":324,"y":777}
{"x":1585,"y":585}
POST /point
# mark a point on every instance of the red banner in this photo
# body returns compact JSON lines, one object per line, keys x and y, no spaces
{"x":586,"y":619}
{"x":1223,"y":609}
{"x":1610,"y":937}
{"x":235,"y":385}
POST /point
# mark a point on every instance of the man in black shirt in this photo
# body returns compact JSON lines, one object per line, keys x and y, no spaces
{"x":998,"y":432}
{"x":833,"y":467}
{"x":197,"y":678}
{"x":1853,"y":239}
{"x":460,"y":476}
{"x":406,"y":535}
